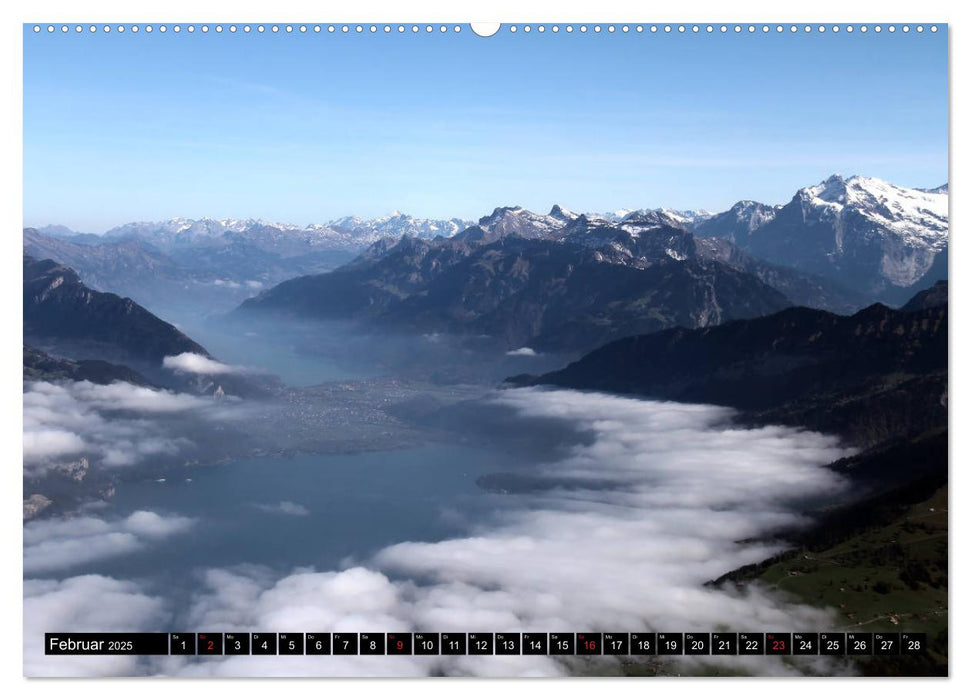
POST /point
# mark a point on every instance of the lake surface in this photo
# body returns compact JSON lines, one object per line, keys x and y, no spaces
{"x":316,"y":510}
{"x":310,"y":353}
{"x":299,"y":356}
{"x":622,"y":529}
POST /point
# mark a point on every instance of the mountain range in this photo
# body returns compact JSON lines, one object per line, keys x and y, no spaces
{"x":206,"y":265}
{"x":851,"y":241}
{"x":346,"y":233}
{"x":556,"y":282}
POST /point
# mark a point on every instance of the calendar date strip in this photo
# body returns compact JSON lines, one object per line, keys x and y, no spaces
{"x":486,"y":643}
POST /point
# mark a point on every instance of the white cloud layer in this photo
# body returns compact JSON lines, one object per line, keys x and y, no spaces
{"x":665,"y":498}
{"x":522,"y":352}
{"x":191,"y":363}
{"x":52,"y":545}
{"x":114,"y":425}
{"x":85,"y":604}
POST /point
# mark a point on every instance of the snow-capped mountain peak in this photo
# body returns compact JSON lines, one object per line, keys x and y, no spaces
{"x":397,"y":224}
{"x":686,"y":217}
{"x":185,"y":228}
{"x":516,"y":220}
{"x":558,"y":212}
{"x":348,"y":233}
{"x":642,"y":218}
{"x":919,"y":216}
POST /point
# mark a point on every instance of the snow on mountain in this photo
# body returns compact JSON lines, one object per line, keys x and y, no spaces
{"x":187,"y":229}
{"x":181,"y":232}
{"x":561,"y":214}
{"x":738,"y":223}
{"x":612,"y":216}
{"x":650,"y":218}
{"x":350,"y":233}
{"x":872,"y":236}
{"x":516,"y":221}
{"x":683,"y":217}
{"x":918,"y":217}
{"x":753,"y":215}
{"x":686,"y":217}
{"x":563,"y":223}
{"x":861,"y":231}
{"x":396,"y":225}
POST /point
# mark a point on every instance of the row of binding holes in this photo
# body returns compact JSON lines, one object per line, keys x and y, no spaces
{"x":259,"y":28}
{"x":711,"y":29}
{"x":428,"y":28}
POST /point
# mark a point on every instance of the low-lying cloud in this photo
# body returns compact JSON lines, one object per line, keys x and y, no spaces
{"x":232,"y":284}
{"x":284,"y":508}
{"x":114,"y":425}
{"x":664,"y":498}
{"x":58,"y":544}
{"x":85,"y":604}
{"x":522,"y":352}
{"x":192,"y":363}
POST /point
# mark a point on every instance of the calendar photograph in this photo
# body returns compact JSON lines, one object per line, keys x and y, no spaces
{"x":376,"y":350}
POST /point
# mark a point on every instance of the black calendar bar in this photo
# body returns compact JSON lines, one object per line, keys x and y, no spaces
{"x":487,"y":643}
{"x":91,"y":644}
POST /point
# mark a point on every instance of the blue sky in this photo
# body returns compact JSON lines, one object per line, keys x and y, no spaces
{"x":306,"y":128}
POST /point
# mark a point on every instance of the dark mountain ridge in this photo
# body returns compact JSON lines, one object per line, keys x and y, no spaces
{"x":571,"y":287}
{"x":878,"y":374}
{"x":75,"y":332}
{"x":803,"y":289}
{"x":59,"y":307}
{"x":929,"y":298}
{"x":40,"y":366}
